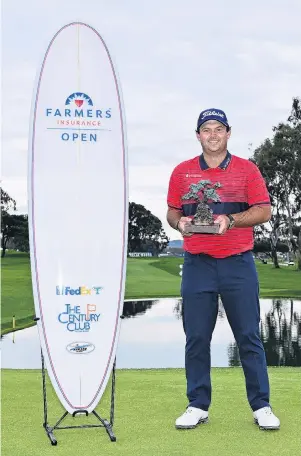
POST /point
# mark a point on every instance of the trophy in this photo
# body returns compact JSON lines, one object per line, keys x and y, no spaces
{"x":202,"y":193}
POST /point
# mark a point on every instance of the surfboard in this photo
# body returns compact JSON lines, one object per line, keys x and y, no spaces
{"x":78,"y":213}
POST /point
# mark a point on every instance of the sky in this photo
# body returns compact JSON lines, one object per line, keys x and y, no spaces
{"x":174,"y":60}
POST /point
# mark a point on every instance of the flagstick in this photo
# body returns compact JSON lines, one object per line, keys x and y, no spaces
{"x":14,"y":327}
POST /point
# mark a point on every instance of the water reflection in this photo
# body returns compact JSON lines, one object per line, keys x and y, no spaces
{"x":280,"y":332}
{"x":152,"y":337}
{"x":139,"y":307}
{"x":178,"y":309}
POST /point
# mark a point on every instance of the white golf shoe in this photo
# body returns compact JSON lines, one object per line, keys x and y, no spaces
{"x":191,"y":418}
{"x":266,"y":419}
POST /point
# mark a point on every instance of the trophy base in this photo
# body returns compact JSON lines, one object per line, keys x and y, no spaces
{"x":205,"y":229}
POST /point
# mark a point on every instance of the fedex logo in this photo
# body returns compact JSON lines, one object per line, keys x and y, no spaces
{"x":80,"y":291}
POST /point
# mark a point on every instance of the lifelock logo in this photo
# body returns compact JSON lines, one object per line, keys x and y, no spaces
{"x":61,"y":290}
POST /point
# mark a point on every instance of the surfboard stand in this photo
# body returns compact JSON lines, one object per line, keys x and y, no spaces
{"x":108,"y":425}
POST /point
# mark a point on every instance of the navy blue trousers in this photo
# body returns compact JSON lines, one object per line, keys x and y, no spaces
{"x":235,"y":279}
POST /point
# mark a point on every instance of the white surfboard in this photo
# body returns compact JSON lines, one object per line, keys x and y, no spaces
{"x":78,"y":213}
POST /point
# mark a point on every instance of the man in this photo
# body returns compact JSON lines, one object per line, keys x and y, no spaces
{"x":221,"y":264}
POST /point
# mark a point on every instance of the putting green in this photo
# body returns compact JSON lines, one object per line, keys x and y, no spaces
{"x":147,"y":403}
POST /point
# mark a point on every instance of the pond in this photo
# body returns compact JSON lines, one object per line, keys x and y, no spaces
{"x":152,"y":336}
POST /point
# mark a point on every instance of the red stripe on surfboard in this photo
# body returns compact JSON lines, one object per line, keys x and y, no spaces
{"x":124,"y":217}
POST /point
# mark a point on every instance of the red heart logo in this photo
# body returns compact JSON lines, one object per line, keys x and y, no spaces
{"x":79,"y":103}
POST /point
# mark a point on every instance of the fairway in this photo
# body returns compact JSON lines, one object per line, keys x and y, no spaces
{"x":146,"y":278}
{"x":147,"y":403}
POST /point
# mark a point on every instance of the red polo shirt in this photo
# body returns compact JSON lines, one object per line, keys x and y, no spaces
{"x":242,"y":186}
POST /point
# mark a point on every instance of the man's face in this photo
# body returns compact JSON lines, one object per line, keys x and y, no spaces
{"x":213,"y":136}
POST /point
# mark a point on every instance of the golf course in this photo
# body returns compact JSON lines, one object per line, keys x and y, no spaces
{"x":147,"y":400}
{"x":147,"y":403}
{"x":146,"y":278}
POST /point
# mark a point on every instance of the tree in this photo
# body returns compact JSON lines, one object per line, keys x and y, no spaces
{"x":287,"y":148}
{"x":279,"y":161}
{"x":21,"y":238}
{"x":295,"y":120}
{"x":145,"y":231}
{"x":14,"y":228}
{"x":8,"y":204}
{"x":268,"y":169}
{"x":264,"y":246}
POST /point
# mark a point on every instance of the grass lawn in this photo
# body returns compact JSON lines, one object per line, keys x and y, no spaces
{"x":146,"y":278}
{"x":16,"y":290}
{"x":147,"y":403}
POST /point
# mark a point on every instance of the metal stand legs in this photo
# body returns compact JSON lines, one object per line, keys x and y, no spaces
{"x":108,"y":425}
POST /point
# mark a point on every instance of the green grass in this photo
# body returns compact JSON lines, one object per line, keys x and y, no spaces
{"x":146,"y":278}
{"x":147,"y":403}
{"x":152,"y":278}
{"x":16,"y":292}
{"x":279,"y":283}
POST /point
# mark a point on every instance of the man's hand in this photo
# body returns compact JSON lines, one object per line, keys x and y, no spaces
{"x":255,"y":215}
{"x":224,"y":223}
{"x":181,"y":225}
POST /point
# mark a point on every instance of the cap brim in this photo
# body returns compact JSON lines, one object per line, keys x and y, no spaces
{"x":217,"y":120}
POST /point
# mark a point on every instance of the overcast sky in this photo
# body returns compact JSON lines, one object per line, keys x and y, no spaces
{"x":174,"y":59}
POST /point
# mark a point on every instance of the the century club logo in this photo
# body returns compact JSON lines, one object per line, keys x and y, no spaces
{"x":79,"y":318}
{"x":78,"y":119}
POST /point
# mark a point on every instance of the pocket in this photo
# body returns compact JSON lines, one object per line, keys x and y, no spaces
{"x":188,"y":259}
{"x":247,"y":262}
{"x":244,"y":256}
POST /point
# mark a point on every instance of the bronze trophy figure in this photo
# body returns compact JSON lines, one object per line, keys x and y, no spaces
{"x":202,"y":192}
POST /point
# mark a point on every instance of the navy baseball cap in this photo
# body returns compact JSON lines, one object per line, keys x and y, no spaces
{"x":212,"y":114}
